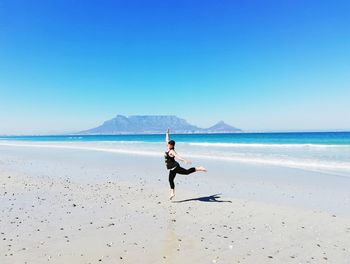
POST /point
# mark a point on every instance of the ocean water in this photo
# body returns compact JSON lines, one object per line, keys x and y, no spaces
{"x":327,"y":152}
{"x":322,"y":138}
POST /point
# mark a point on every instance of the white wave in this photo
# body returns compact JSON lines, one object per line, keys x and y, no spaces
{"x":335,"y":167}
{"x":281,"y":162}
{"x":82,"y":147}
{"x":260,"y":145}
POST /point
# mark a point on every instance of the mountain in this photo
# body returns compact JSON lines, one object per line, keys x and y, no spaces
{"x":222,"y":127}
{"x":154,"y":124}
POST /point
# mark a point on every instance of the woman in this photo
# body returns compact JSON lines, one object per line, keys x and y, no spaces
{"x":173,"y":166}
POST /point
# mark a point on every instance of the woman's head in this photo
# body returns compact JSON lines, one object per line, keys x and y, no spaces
{"x":171,"y":144}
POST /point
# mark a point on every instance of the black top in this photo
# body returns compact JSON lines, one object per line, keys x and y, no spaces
{"x":170,"y":161}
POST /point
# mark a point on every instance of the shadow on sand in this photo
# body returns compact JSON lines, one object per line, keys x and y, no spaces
{"x":211,"y":198}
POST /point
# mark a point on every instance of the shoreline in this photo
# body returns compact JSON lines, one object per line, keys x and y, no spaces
{"x":269,"y":155}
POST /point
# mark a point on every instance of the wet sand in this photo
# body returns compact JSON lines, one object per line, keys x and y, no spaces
{"x":74,"y":206}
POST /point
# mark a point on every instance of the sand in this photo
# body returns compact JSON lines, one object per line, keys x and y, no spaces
{"x":75,"y":206}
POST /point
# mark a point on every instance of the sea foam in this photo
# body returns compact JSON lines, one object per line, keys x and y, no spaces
{"x":332,"y":159}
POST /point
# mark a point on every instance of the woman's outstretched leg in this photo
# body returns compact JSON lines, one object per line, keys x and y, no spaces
{"x":183,"y":171}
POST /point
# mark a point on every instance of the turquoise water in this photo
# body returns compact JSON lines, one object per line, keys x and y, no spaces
{"x":322,"y":138}
{"x":327,"y":152}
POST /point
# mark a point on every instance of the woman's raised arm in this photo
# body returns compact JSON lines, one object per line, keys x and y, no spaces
{"x":179,"y":157}
{"x":167,"y":137}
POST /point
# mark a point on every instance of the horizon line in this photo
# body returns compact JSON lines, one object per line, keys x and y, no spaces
{"x":131,"y":134}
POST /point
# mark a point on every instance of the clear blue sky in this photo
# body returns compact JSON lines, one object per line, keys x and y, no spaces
{"x":258,"y":65}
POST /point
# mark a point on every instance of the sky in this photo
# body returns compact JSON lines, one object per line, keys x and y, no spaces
{"x":67,"y":66}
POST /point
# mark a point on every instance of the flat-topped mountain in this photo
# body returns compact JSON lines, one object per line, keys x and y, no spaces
{"x":154,"y":124}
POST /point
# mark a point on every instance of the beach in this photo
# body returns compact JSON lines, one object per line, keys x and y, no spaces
{"x":246,"y":103}
{"x":64,"y":203}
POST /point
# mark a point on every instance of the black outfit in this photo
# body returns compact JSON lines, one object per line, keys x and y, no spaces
{"x":170,"y":161}
{"x":174,"y":167}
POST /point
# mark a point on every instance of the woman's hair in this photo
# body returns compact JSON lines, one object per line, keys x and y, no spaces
{"x":172,"y":143}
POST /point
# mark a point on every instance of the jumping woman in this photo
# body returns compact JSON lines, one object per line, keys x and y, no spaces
{"x":173,"y":166}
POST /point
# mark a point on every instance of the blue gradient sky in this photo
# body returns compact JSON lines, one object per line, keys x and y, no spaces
{"x":258,"y":65}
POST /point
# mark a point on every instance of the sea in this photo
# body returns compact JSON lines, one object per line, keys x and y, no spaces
{"x":326,"y":152}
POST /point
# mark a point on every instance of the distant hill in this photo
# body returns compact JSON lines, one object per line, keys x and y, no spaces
{"x":222,"y":127}
{"x":154,"y":124}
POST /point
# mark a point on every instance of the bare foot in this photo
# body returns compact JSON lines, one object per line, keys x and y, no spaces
{"x":200,"y":168}
{"x":172,"y":194}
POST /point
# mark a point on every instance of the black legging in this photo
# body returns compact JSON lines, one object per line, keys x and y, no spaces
{"x":179,"y":170}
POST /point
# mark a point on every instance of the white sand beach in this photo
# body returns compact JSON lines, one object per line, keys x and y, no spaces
{"x":70,"y":205}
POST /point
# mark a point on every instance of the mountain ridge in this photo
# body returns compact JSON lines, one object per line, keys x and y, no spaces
{"x":154,"y":124}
